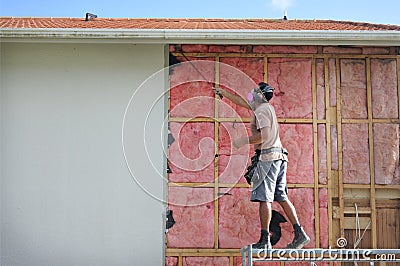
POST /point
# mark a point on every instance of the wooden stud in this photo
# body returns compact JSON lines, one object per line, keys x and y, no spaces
{"x":216,"y":158}
{"x":315,"y":141}
{"x":328,"y":149}
{"x":340,"y":147}
{"x":398,"y":84}
{"x":266,"y":69}
{"x":371,"y":152}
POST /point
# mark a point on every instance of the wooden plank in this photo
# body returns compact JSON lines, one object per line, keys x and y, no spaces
{"x":265,"y":69}
{"x":240,"y":120}
{"x":315,"y":152}
{"x":322,"y":56}
{"x":398,"y":84}
{"x":340,"y":148}
{"x":371,"y":153}
{"x":229,"y":185}
{"x":366,"y":121}
{"x":330,"y":118}
{"x":216,"y":158}
{"x":350,"y":223}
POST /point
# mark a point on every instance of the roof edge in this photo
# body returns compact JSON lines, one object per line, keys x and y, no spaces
{"x":162,"y":36}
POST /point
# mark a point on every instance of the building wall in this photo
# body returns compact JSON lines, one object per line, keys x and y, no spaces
{"x":67,"y":195}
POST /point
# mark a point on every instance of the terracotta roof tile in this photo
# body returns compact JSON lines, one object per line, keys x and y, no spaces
{"x":187,"y":23}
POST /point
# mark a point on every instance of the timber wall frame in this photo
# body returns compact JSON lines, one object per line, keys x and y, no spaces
{"x":335,"y":186}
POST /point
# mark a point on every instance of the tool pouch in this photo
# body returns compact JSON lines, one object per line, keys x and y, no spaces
{"x":252,"y":167}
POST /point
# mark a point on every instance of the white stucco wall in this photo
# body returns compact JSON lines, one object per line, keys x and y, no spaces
{"x":67,"y":197}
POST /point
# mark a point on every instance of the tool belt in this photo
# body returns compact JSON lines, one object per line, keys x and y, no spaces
{"x":256,"y":157}
{"x":273,"y":149}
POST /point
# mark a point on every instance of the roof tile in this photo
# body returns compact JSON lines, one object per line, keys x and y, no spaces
{"x":191,"y":24}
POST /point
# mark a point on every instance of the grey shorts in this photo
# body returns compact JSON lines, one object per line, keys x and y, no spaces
{"x":269,"y":181}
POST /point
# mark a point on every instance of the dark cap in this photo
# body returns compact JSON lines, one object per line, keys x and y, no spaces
{"x":265,"y":88}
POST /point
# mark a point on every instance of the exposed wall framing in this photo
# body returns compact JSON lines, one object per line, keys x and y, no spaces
{"x":340,"y":199}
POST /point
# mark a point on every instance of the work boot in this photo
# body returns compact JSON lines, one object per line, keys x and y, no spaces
{"x":264,"y":242}
{"x":300,"y":239}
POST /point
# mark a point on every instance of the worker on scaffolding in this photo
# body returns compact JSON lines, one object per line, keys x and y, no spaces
{"x":269,"y":173}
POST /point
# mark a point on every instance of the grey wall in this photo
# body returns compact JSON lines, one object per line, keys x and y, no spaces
{"x":67,"y":197}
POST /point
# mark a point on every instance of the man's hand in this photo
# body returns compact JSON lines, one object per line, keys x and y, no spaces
{"x":240,"y":142}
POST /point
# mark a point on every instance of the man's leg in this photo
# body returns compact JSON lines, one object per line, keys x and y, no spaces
{"x":290,"y":211}
{"x":300,"y":237}
{"x":265,"y":211}
{"x":265,"y":214}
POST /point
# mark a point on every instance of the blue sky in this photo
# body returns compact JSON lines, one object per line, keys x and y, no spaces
{"x":382,"y":12}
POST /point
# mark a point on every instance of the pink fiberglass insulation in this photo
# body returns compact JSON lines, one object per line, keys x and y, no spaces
{"x":298,"y":140}
{"x":291,"y":78}
{"x":353,"y":88}
{"x":320,"y":89}
{"x":355,"y":154}
{"x":332,"y":81}
{"x":239,"y":223}
{"x":238,"y":219}
{"x":323,"y":218}
{"x":171,"y":261}
{"x":322,"y":160}
{"x":191,"y":156}
{"x":232,"y":168}
{"x":237,"y":261}
{"x":232,"y":163}
{"x":205,"y":261}
{"x":386,"y":153}
{"x":239,"y":75}
{"x":190,"y":95}
{"x":384,"y":88}
{"x":194,"y":219}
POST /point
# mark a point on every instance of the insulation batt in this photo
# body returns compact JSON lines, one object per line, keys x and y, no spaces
{"x":239,"y":75}
{"x":384,"y":88}
{"x":353,"y":88}
{"x":386,"y":154}
{"x":320,"y":89}
{"x":355,"y":154}
{"x":323,"y":218}
{"x":192,"y":154}
{"x":322,"y":160}
{"x":190,"y":95}
{"x":232,"y":163}
{"x":194,"y":218}
{"x":298,"y":140}
{"x":291,"y":79}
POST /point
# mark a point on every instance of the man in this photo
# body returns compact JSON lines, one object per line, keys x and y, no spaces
{"x":269,"y":179}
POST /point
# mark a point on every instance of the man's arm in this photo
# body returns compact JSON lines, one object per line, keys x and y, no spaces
{"x":236,"y":99}
{"x":256,"y":138}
